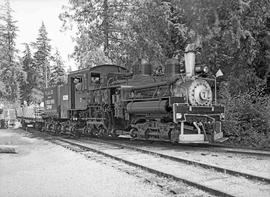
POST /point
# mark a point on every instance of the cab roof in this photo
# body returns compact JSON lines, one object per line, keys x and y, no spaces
{"x":96,"y":67}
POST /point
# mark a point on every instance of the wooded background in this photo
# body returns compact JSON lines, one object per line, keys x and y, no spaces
{"x":233,"y":35}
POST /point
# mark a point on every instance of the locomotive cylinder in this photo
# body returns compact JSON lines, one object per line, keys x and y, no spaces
{"x":148,"y":107}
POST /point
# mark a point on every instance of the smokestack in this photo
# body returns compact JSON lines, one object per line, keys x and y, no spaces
{"x":190,"y":60}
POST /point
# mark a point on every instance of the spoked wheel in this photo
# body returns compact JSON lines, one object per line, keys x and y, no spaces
{"x":75,"y":132}
{"x":51,"y":128}
{"x":90,"y":130}
{"x":78,"y":134}
{"x":173,"y":135}
{"x":43,"y":129}
{"x":86,"y":131}
{"x":146,"y":135}
{"x":94,"y":131}
{"x":114,"y":133}
{"x":64,"y":128}
{"x":57,"y":128}
{"x":23,"y":124}
{"x":38,"y":126}
{"x":102,"y":131}
{"x":72,"y":131}
{"x":134,"y":132}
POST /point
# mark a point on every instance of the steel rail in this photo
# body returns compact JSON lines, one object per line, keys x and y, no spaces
{"x":210,"y":147}
{"x":187,"y":161}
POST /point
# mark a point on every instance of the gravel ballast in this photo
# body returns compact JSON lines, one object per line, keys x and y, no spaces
{"x":41,"y":168}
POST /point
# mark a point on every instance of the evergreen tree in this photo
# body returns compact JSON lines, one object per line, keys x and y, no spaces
{"x":8,"y":64}
{"x":57,"y":76}
{"x":41,"y":57}
{"x":2,"y":44}
{"x":27,"y":82}
{"x":101,"y":27}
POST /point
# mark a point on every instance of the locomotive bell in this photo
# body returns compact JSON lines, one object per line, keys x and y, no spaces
{"x":190,"y":60}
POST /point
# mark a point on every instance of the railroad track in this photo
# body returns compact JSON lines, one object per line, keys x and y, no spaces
{"x":188,"y":161}
{"x":239,"y":150}
{"x":212,"y":179}
{"x":203,"y":147}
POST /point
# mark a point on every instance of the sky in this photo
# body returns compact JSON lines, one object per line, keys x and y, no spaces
{"x":29,"y":15}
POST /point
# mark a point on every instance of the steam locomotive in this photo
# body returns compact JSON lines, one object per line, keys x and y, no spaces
{"x":108,"y":100}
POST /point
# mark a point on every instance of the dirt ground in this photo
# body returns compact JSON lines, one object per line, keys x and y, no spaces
{"x":40,"y":168}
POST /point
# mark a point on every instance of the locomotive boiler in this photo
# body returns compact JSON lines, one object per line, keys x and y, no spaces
{"x":108,"y":100}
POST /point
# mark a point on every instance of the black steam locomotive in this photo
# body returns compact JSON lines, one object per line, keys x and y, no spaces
{"x":107,"y":100}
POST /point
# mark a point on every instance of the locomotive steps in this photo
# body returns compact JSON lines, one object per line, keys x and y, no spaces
{"x":212,"y":179}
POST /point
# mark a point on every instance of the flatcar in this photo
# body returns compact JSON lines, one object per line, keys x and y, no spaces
{"x":108,"y":100}
{"x":30,"y":116}
{"x":7,"y":117}
{"x":2,"y":118}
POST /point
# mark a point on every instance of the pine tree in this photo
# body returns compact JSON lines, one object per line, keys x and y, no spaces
{"x":41,"y":57}
{"x":2,"y":44}
{"x":28,"y":81}
{"x":57,"y":76}
{"x":101,"y":27}
{"x":9,"y":66}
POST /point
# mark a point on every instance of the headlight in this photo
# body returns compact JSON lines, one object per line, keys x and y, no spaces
{"x":205,"y":69}
{"x":178,"y":115}
{"x":201,"y":69}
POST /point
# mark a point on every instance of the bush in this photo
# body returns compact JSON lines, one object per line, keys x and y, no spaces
{"x":247,"y":118}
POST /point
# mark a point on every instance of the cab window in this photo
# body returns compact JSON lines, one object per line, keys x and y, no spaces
{"x":78,"y":83}
{"x":95,"y":78}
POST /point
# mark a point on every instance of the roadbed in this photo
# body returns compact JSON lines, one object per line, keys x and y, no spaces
{"x":41,"y":168}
